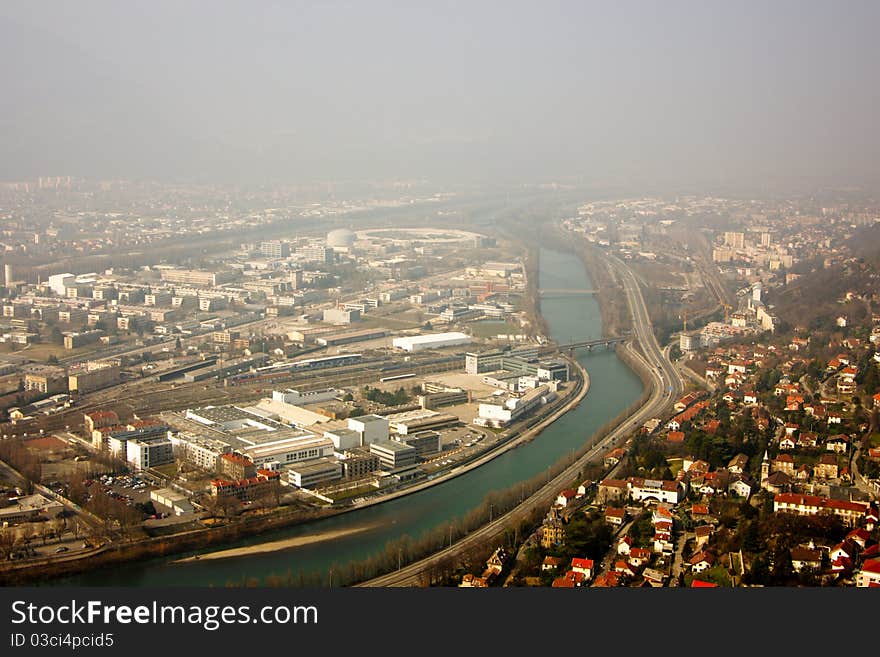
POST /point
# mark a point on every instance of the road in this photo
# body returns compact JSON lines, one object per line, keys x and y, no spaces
{"x":666,"y":385}
{"x":859,"y":479}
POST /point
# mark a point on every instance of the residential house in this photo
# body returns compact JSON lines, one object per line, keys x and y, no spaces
{"x":793,"y":402}
{"x":738,"y":463}
{"x":740,"y":488}
{"x":495,"y":563}
{"x":624,"y":569}
{"x":859,"y":537}
{"x":787,"y":443}
{"x":583,"y":566}
{"x":807,"y":439}
{"x":826,"y":467}
{"x":703,"y":534}
{"x":675,"y":436}
{"x":469,"y":581}
{"x":611,"y":579}
{"x":612,"y":490}
{"x":868,"y":576}
{"x":553,"y":530}
{"x":639,"y":557}
{"x":701,"y":561}
{"x":654,"y":577}
{"x":551,"y":563}
{"x":614,"y":457}
{"x":784,"y":463}
{"x":571,"y":579}
{"x":805,"y":557}
{"x":837,"y":443}
{"x":615,"y":516}
{"x":565,"y":497}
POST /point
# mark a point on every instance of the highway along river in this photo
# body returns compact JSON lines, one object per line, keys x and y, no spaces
{"x":571,"y":315}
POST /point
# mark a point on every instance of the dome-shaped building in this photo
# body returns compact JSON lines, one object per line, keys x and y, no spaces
{"x":341,"y":238}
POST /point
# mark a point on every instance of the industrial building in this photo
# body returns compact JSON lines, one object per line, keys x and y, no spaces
{"x":288,"y":413}
{"x":334,"y":339}
{"x":341,"y":316}
{"x":290,"y":396}
{"x":410,"y":422}
{"x":450,"y":397}
{"x":269,"y":444}
{"x":176,"y":501}
{"x":426,"y":443}
{"x":370,"y":428}
{"x":226,"y":368}
{"x":393,"y":454}
{"x":344,"y":439}
{"x":292,"y":449}
{"x":359,"y":462}
{"x":313,"y":473}
{"x":500,"y":414}
{"x":29,"y":508}
{"x":493,"y":360}
{"x":431,"y":341}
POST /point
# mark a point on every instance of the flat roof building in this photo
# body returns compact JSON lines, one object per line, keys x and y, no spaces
{"x":372,"y":428}
{"x":393,"y":454}
{"x":431,"y":341}
{"x":145,"y":453}
{"x":314,"y":473}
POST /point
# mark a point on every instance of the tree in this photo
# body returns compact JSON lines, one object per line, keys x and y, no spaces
{"x":56,"y":336}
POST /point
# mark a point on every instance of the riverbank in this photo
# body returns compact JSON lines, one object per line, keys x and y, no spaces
{"x":272,"y":546}
{"x":437,"y":565}
{"x":527,"y":514}
{"x":199,"y":539}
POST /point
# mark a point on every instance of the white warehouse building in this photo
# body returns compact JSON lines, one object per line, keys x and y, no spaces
{"x":431,"y":341}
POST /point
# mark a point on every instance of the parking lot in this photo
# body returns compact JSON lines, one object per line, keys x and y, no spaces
{"x":130,"y":489}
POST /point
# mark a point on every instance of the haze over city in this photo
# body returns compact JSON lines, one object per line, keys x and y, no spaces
{"x":635,"y":94}
{"x":549,"y":295}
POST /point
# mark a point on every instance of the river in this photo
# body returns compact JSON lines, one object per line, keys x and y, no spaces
{"x":360,"y":534}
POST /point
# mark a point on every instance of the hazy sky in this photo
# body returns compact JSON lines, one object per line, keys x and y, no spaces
{"x":678,"y":92}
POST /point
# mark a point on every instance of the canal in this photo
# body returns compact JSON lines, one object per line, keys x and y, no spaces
{"x":364,"y":533}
